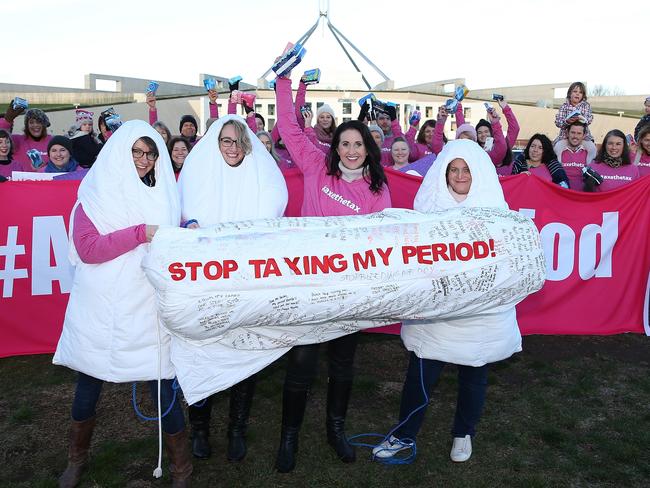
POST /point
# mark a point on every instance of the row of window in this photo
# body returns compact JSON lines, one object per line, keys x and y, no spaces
{"x":347,"y":110}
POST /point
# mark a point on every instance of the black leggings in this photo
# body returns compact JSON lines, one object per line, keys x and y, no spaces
{"x":303,"y":362}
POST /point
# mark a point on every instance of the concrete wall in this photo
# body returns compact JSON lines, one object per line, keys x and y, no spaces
{"x":125,"y":84}
{"x":534,"y":94}
{"x":15,"y":87}
{"x":74,"y":98}
{"x":629,"y":104}
{"x":434,"y":87}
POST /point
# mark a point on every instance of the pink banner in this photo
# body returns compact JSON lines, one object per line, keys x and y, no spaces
{"x":597,"y":248}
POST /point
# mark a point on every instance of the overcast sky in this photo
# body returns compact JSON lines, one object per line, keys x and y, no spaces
{"x":490,"y":43}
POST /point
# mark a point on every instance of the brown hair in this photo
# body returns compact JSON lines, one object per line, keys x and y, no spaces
{"x":242,"y":135}
{"x":577,"y":84}
{"x":645,"y":130}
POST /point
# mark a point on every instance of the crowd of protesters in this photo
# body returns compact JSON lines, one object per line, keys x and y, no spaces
{"x":349,"y":159}
{"x":621,"y":158}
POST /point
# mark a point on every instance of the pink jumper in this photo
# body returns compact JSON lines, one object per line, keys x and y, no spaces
{"x":417,"y":150}
{"x":644,"y":163}
{"x":499,"y":146}
{"x":95,"y":248}
{"x":573,"y":162}
{"x":614,"y":177}
{"x":21,"y":144}
{"x":324,"y":195}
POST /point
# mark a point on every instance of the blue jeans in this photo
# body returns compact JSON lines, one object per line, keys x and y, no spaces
{"x":472,"y":388}
{"x":89,"y":389}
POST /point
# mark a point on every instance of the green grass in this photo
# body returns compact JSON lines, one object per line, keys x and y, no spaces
{"x":568,"y":411}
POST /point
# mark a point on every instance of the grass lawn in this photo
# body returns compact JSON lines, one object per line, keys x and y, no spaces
{"x":568,"y":411}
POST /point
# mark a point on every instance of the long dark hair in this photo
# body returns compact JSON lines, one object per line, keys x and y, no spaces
{"x":548,"y":153}
{"x":101,"y":120}
{"x":6,"y":135}
{"x":428,"y":123}
{"x":170,"y":146}
{"x":645,"y":130}
{"x":374,"y":172}
{"x":602,"y":152}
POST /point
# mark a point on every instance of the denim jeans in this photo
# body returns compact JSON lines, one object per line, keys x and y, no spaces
{"x":472,"y":388}
{"x":89,"y":389}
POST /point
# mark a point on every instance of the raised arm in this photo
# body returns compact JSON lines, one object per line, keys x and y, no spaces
{"x":301,"y":96}
{"x":513,"y":124}
{"x":438,"y":141}
{"x":214,"y":108}
{"x":460,"y":115}
{"x":414,"y":148}
{"x":499,"y":147}
{"x":7,"y":122}
{"x":153,"y":111}
{"x":303,"y":152}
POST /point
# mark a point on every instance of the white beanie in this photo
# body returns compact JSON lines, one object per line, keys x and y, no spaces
{"x":376,"y":128}
{"x":325,"y":109}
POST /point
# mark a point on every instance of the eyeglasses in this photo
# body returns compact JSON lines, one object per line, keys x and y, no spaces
{"x":228,"y":142}
{"x":138,"y":153}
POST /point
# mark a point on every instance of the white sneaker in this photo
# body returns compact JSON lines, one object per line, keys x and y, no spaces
{"x":461,"y":449}
{"x":390,"y":447}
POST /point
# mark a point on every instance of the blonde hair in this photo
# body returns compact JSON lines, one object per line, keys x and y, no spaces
{"x":242,"y":135}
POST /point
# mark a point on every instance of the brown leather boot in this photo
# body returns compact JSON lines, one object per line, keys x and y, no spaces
{"x":80,"y":435}
{"x":180,"y":459}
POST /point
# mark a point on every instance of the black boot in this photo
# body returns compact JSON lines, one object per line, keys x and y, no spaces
{"x":338,"y":395}
{"x":294,"y":401}
{"x":241,"y":397}
{"x":200,"y":423}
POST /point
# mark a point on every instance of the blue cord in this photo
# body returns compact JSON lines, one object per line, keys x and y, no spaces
{"x":408,"y":443}
{"x":175,"y":387}
{"x":200,"y":404}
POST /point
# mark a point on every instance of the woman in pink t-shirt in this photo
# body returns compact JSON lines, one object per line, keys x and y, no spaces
{"x":348,"y":180}
{"x":642,"y":156}
{"x":30,"y":147}
{"x":613,"y":164}
{"x":540,"y":160}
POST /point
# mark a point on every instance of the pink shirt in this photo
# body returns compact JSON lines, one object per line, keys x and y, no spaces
{"x":644,"y":164}
{"x":21,"y":144}
{"x":95,"y":248}
{"x":573,"y":162}
{"x":499,"y":145}
{"x":542,"y":172}
{"x":7,"y":169}
{"x":614,"y":177}
{"x":324,"y":195}
{"x":313,"y":137}
{"x":285,"y":158}
{"x":513,"y":126}
{"x":386,"y":156}
{"x":417,"y":150}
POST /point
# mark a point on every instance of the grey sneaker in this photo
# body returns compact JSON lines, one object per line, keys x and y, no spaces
{"x":390,"y":447}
